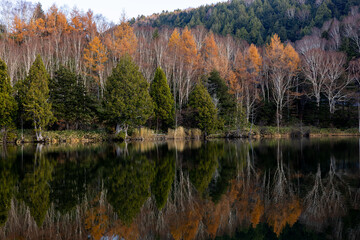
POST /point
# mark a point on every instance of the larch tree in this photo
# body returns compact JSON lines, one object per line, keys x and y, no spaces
{"x":127,"y":100}
{"x":164,"y":106}
{"x":35,"y":99}
{"x":123,"y":41}
{"x":253,"y":64}
{"x":8,"y":105}
{"x":283,"y":63}
{"x":95,"y":55}
{"x":210,"y":54}
{"x":205,"y":112}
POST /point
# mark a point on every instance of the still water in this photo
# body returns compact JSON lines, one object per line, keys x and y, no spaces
{"x":270,"y":189}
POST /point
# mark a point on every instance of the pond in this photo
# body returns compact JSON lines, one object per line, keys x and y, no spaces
{"x":265,"y":189}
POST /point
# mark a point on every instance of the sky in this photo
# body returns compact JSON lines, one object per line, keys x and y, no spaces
{"x":113,"y":9}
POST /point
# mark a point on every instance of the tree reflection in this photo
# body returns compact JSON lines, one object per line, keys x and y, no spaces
{"x":205,"y":162}
{"x":7,"y":183}
{"x":128,"y":184}
{"x":164,"y":178}
{"x":35,"y":186}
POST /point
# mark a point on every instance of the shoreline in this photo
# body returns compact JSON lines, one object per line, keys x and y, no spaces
{"x":97,"y":136}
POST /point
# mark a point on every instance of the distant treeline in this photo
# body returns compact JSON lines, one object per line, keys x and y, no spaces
{"x":256,"y":20}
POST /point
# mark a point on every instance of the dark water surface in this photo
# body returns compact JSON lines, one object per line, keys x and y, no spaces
{"x":271,"y":189}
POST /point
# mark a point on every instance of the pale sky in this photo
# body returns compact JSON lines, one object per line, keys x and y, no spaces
{"x":113,"y":9}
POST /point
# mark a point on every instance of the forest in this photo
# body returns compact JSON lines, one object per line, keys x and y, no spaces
{"x":68,"y":69}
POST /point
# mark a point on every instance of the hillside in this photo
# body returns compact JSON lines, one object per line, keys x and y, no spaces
{"x":256,"y":20}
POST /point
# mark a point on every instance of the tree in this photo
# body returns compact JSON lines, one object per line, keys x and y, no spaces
{"x":95,"y":56}
{"x":69,"y":98}
{"x":128,"y":186}
{"x":35,"y":100}
{"x":205,"y":112}
{"x":34,"y":189}
{"x":8,"y":104}
{"x":164,"y":178}
{"x":123,"y":41}
{"x":164,"y":106}
{"x":283,"y":62}
{"x":210,"y":53}
{"x":127,"y":99}
{"x":335,"y":82}
{"x":226,"y":103}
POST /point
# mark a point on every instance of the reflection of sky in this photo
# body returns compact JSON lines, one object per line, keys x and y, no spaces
{"x":112,"y":10}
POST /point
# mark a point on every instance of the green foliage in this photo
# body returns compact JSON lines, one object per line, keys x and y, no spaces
{"x":7,"y":183}
{"x":204,"y":110}
{"x":129,"y":185}
{"x":164,"y":177}
{"x":205,"y":162}
{"x":226,"y":102}
{"x":127,"y":100}
{"x":70,"y":100}
{"x":8,"y":104}
{"x":35,"y":97}
{"x":254,"y":21}
{"x":164,"y":106}
{"x":35,"y":187}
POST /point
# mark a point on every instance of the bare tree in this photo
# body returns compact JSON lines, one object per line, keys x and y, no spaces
{"x":336,"y":81}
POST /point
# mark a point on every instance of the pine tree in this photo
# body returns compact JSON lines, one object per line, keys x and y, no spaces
{"x":219,"y":91}
{"x":35,"y":100}
{"x":204,"y":109}
{"x":127,"y":100}
{"x":69,"y":98}
{"x":8,"y":104}
{"x":164,"y":106}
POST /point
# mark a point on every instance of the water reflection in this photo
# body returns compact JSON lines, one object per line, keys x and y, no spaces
{"x":305,"y":189}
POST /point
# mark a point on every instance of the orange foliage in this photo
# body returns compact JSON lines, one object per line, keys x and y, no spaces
{"x":95,"y":55}
{"x":187,"y":225}
{"x":188,"y":48}
{"x":282,"y":59}
{"x":18,"y":29}
{"x":257,"y":212}
{"x":96,"y":222}
{"x":284,"y":213}
{"x":124,"y":40}
{"x":210,"y":54}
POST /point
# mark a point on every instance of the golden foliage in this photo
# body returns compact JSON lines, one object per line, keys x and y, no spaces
{"x":210,"y":54}
{"x":96,"y":222}
{"x":186,"y":226}
{"x":95,"y":55}
{"x":284,"y":213}
{"x":123,"y":41}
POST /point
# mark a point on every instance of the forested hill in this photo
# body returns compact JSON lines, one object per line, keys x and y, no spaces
{"x":256,"y":20}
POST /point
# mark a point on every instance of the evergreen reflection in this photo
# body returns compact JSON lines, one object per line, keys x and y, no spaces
{"x":128,"y":184}
{"x":34,"y":188}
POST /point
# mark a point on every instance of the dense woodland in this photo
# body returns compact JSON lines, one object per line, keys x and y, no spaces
{"x":68,"y":69}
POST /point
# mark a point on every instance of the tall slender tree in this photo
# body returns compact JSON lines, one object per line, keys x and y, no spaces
{"x":205,"y":113}
{"x":8,"y":104}
{"x":164,"y":106}
{"x":35,"y":99}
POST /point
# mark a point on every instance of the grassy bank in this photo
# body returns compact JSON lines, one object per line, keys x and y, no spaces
{"x":145,"y":134}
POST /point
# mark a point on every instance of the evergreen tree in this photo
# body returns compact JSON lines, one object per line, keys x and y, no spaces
{"x":8,"y":104}
{"x":70,"y":101}
{"x":219,"y":91}
{"x":35,"y":99}
{"x":203,"y":108}
{"x":127,"y":100}
{"x":163,"y":101}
